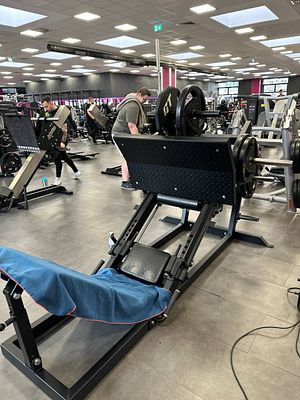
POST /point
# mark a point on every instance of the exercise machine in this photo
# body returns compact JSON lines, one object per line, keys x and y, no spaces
{"x":192,"y":173}
{"x":21,"y":129}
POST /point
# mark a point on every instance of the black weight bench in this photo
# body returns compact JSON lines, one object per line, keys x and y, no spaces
{"x":189,"y":173}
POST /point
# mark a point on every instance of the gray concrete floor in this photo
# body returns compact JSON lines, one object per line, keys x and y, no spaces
{"x":186,"y":357}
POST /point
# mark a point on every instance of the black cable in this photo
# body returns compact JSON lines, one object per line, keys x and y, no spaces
{"x":289,"y":290}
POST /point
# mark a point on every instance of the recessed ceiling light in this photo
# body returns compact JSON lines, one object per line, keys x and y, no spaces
{"x":65,"y":76}
{"x":87,"y":58}
{"x":116,"y":65}
{"x":253,"y":63}
{"x":286,"y":73}
{"x":183,"y":56}
{"x":121,"y":42}
{"x":178,"y":42}
{"x":296,"y":59}
{"x":27,"y":81}
{"x":286,"y":52}
{"x":2,"y":58}
{"x":272,"y":69}
{"x":293,"y":74}
{"x":5,"y":72}
{"x":245,"y":69}
{"x":256,"y":38}
{"x":206,"y":80}
{"x":285,"y":41}
{"x":27,"y":73}
{"x":88,"y":73}
{"x":246,"y":73}
{"x":235,"y":58}
{"x":221,"y":64}
{"x":202,"y":9}
{"x":192,"y":79}
{"x":224,"y":69}
{"x":114,"y":70}
{"x":253,"y":15}
{"x":13,"y":64}
{"x":50,"y":70}
{"x":278,"y":48}
{"x":239,"y":79}
{"x":52,"y":55}
{"x":199,"y":47}
{"x":55,"y":64}
{"x":278,"y":70}
{"x":109,"y":61}
{"x":47,"y":75}
{"x":32,"y":33}
{"x":70,"y":40}
{"x":215,"y":68}
{"x":14,"y":17}
{"x":44,"y":79}
{"x":227,"y":55}
{"x":154,"y":74}
{"x":28,"y":69}
{"x":127,"y":51}
{"x":261,"y":65}
{"x":148,"y":55}
{"x":126,"y":27}
{"x":11,"y":83}
{"x":77,"y":66}
{"x":7,"y":77}
{"x":194,"y":63}
{"x":134,"y":71}
{"x":293,"y":55}
{"x":80,"y":70}
{"x":182,"y":61}
{"x":29,"y":50}
{"x":87,"y":16}
{"x":243,"y":31}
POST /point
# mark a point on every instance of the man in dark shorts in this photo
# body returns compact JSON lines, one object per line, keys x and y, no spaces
{"x":130,"y":119}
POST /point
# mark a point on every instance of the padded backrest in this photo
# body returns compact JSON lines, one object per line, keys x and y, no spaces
{"x":22,"y":131}
{"x":195,"y":168}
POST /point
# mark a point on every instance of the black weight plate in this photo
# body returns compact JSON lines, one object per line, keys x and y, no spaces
{"x":5,"y":138}
{"x":248,"y":151}
{"x":11,"y":163}
{"x":188,"y":120}
{"x":295,"y":156}
{"x":296,"y":193}
{"x":165,"y":111}
{"x":236,"y":152}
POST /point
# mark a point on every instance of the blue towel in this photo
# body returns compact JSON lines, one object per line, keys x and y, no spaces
{"x":107,"y":296}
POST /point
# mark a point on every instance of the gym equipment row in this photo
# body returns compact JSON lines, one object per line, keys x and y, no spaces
{"x":22,"y":132}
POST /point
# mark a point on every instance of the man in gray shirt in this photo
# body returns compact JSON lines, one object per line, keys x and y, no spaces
{"x":130,"y":119}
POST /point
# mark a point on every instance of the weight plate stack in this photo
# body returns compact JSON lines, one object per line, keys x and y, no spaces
{"x":11,"y":163}
{"x":296,"y":193}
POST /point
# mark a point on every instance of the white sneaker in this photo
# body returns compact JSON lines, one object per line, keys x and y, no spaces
{"x":57,"y":181}
{"x":76,"y":175}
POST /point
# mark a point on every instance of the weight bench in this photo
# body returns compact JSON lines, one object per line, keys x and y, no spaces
{"x":195,"y":173}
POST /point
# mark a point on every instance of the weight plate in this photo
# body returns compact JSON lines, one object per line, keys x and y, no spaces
{"x":191,"y":102}
{"x":11,"y":163}
{"x":249,"y":150}
{"x":295,"y":156}
{"x":296,"y":193}
{"x":5,"y":138}
{"x":165,"y":111}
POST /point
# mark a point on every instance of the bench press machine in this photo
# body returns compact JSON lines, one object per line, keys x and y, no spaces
{"x":194,"y":173}
{"x":21,"y":129}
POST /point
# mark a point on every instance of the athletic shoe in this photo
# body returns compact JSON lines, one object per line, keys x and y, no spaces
{"x":127,"y":186}
{"x":76,"y":175}
{"x":57,"y":181}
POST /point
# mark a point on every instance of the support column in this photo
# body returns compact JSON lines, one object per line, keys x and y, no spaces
{"x":168,"y":77}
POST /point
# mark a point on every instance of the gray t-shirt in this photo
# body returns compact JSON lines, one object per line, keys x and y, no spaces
{"x":128,"y":113}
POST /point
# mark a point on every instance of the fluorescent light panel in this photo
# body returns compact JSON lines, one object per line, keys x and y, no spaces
{"x":148,"y":55}
{"x":32,"y":33}
{"x":52,"y":55}
{"x":278,"y":48}
{"x":221,"y":64}
{"x":253,"y":15}
{"x":70,"y":40}
{"x":127,"y":51}
{"x":87,"y":58}
{"x":178,"y":42}
{"x":198,"y":47}
{"x":13,"y":64}
{"x":293,"y":55}
{"x":257,"y":38}
{"x":29,"y":50}
{"x":235,"y":58}
{"x":202,"y":9}
{"x":245,"y":69}
{"x":126,"y":27}
{"x":184,"y":56}
{"x":47,"y":75}
{"x":121,"y":42}
{"x":14,"y":17}
{"x":87,"y":16}
{"x":80,"y":70}
{"x":243,"y":31}
{"x":227,"y":55}
{"x":55,"y":64}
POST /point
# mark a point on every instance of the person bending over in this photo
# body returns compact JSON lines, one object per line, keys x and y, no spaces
{"x":130,"y":119}
{"x":60,"y":153}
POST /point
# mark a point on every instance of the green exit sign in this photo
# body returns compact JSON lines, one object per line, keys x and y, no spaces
{"x":157,"y":27}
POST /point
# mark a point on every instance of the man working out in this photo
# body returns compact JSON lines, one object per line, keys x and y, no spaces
{"x":130,"y":119}
{"x":60,"y":153}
